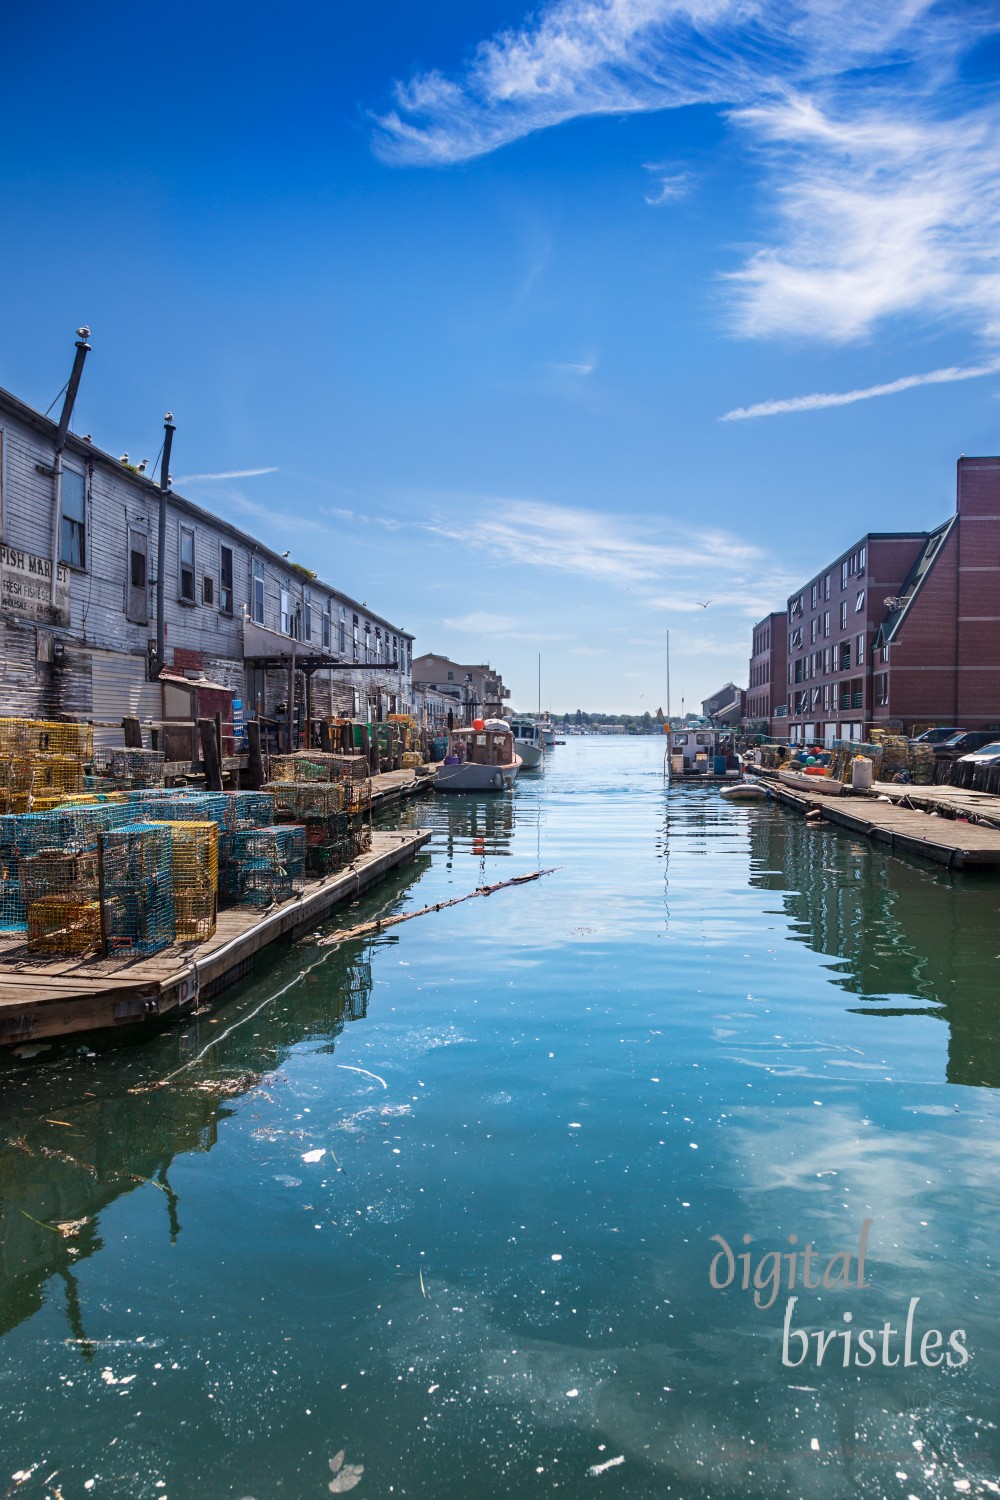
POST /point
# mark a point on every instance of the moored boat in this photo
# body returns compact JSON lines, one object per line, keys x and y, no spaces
{"x":481,"y":758}
{"x":528,"y":742}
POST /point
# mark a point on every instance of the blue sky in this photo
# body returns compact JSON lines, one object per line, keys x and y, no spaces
{"x":498,"y":301}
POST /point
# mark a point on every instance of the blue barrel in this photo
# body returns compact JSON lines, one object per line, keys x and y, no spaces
{"x":720,"y":765}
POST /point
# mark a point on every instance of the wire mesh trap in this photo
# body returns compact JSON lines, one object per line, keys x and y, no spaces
{"x":137,"y":894}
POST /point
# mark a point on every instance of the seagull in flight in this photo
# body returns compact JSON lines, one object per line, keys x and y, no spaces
{"x":703,"y":606}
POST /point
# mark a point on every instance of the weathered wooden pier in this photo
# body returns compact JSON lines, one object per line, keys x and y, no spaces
{"x":43,"y":999}
{"x":936,"y":831}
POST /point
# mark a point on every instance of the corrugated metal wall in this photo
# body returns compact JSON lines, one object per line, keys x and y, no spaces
{"x":119,"y":688}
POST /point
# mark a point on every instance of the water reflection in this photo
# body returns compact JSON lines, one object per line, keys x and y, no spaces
{"x":901,"y":931}
{"x":126,"y":1112}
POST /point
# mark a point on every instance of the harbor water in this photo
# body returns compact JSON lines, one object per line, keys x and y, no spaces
{"x":492,"y":1204}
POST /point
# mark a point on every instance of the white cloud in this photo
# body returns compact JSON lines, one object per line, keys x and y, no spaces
{"x":882,"y":184}
{"x":820,"y":400}
{"x":880,"y":212}
{"x":592,"y":544}
{"x":480,"y":622}
{"x":670,"y":183}
{"x":230,"y":474}
{"x":569,"y":368}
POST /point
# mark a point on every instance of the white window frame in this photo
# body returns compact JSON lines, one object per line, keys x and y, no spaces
{"x":225,"y":547}
{"x":257,"y":578}
{"x":182,"y":567}
{"x":65,"y":521}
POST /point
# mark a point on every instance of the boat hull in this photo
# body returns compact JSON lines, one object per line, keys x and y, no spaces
{"x":468,"y":777}
{"x":530,"y":756}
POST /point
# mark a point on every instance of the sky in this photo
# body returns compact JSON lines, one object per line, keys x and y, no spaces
{"x":539,"y":328}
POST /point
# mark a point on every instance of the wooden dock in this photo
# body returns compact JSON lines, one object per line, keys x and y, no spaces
{"x":958,"y":845}
{"x":60,"y":997}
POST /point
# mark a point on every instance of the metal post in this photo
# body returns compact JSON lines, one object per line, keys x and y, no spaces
{"x":161,"y":540}
{"x":72,"y":386}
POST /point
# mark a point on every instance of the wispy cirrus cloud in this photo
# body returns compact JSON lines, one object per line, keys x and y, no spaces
{"x":592,"y":544}
{"x":229,"y":474}
{"x":819,"y":400}
{"x":881,"y":183}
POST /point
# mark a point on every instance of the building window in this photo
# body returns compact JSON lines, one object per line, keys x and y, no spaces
{"x":859,"y":603}
{"x":187,"y":564}
{"x":368,"y":641}
{"x":814,"y":595}
{"x":378,"y":644}
{"x":285,"y":612}
{"x":843,"y":615}
{"x":826,"y":587}
{"x":859,"y":650}
{"x":137,"y":598}
{"x":826,"y":661}
{"x":882,"y":688}
{"x":207,"y":590}
{"x":355,"y":629}
{"x":257,"y":592}
{"x":826,"y":622}
{"x":845,"y":656}
{"x":342,"y":632}
{"x":862,"y":559}
{"x":307,"y":615}
{"x":843,"y":574}
{"x":327,"y":626}
{"x":813,"y":628}
{"x":73,"y":526}
{"x":226,"y":580}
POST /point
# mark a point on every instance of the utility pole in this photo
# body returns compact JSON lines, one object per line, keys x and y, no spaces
{"x":72,"y":386}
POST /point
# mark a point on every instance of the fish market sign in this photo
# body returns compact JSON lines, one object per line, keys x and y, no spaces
{"x":26,"y":588}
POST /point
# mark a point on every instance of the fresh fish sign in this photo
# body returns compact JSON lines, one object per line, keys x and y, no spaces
{"x":26,"y":588}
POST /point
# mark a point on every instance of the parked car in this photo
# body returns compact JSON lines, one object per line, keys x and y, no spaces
{"x":936,"y":736}
{"x":989,"y":755}
{"x":961,"y":744}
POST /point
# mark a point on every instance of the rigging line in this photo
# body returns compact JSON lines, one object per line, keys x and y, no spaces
{"x":55,"y":398}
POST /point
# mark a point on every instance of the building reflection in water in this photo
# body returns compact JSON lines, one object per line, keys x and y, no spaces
{"x":117,"y":1129}
{"x":909,"y":938}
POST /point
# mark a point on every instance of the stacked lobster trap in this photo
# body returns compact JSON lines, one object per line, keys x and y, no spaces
{"x":264,"y":865}
{"x":137,"y":889}
{"x":41,"y":761}
{"x":335,"y":812}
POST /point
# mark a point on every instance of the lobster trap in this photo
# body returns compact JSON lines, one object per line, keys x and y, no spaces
{"x":64,"y":924}
{"x":137,"y":893}
{"x":125,"y":769}
{"x":264,"y":866}
{"x":245,"y":810}
{"x":299,"y":801}
{"x":13,"y":912}
{"x":194,"y":865}
{"x":181,"y":807}
{"x":318,"y":765}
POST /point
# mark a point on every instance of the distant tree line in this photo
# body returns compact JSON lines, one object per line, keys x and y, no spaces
{"x":637,"y":723}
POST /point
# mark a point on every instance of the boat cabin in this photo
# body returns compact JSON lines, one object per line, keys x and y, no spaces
{"x":481,"y":747}
{"x":696,"y":747}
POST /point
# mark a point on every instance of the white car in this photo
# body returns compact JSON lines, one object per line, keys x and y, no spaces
{"x":989,"y":755}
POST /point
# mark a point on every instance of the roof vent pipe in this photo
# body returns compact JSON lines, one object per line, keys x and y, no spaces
{"x":72,"y":386}
{"x":161,"y":539}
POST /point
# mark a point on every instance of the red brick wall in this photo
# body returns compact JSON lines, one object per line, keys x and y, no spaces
{"x":978,"y":687}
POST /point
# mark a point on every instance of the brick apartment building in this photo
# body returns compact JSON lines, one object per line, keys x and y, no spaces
{"x":902,"y":628}
{"x":766,"y":699}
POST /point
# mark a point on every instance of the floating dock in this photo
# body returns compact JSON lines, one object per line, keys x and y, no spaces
{"x":948,"y":841}
{"x":66,"y":996}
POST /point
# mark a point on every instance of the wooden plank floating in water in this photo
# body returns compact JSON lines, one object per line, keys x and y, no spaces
{"x":906,"y":830}
{"x":67,"y":996}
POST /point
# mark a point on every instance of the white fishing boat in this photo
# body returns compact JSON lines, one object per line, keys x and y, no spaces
{"x":528,"y":742}
{"x":480,"y":758}
{"x":547,"y":730}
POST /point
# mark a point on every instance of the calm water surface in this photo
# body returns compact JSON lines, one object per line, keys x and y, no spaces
{"x":445,"y":1201}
